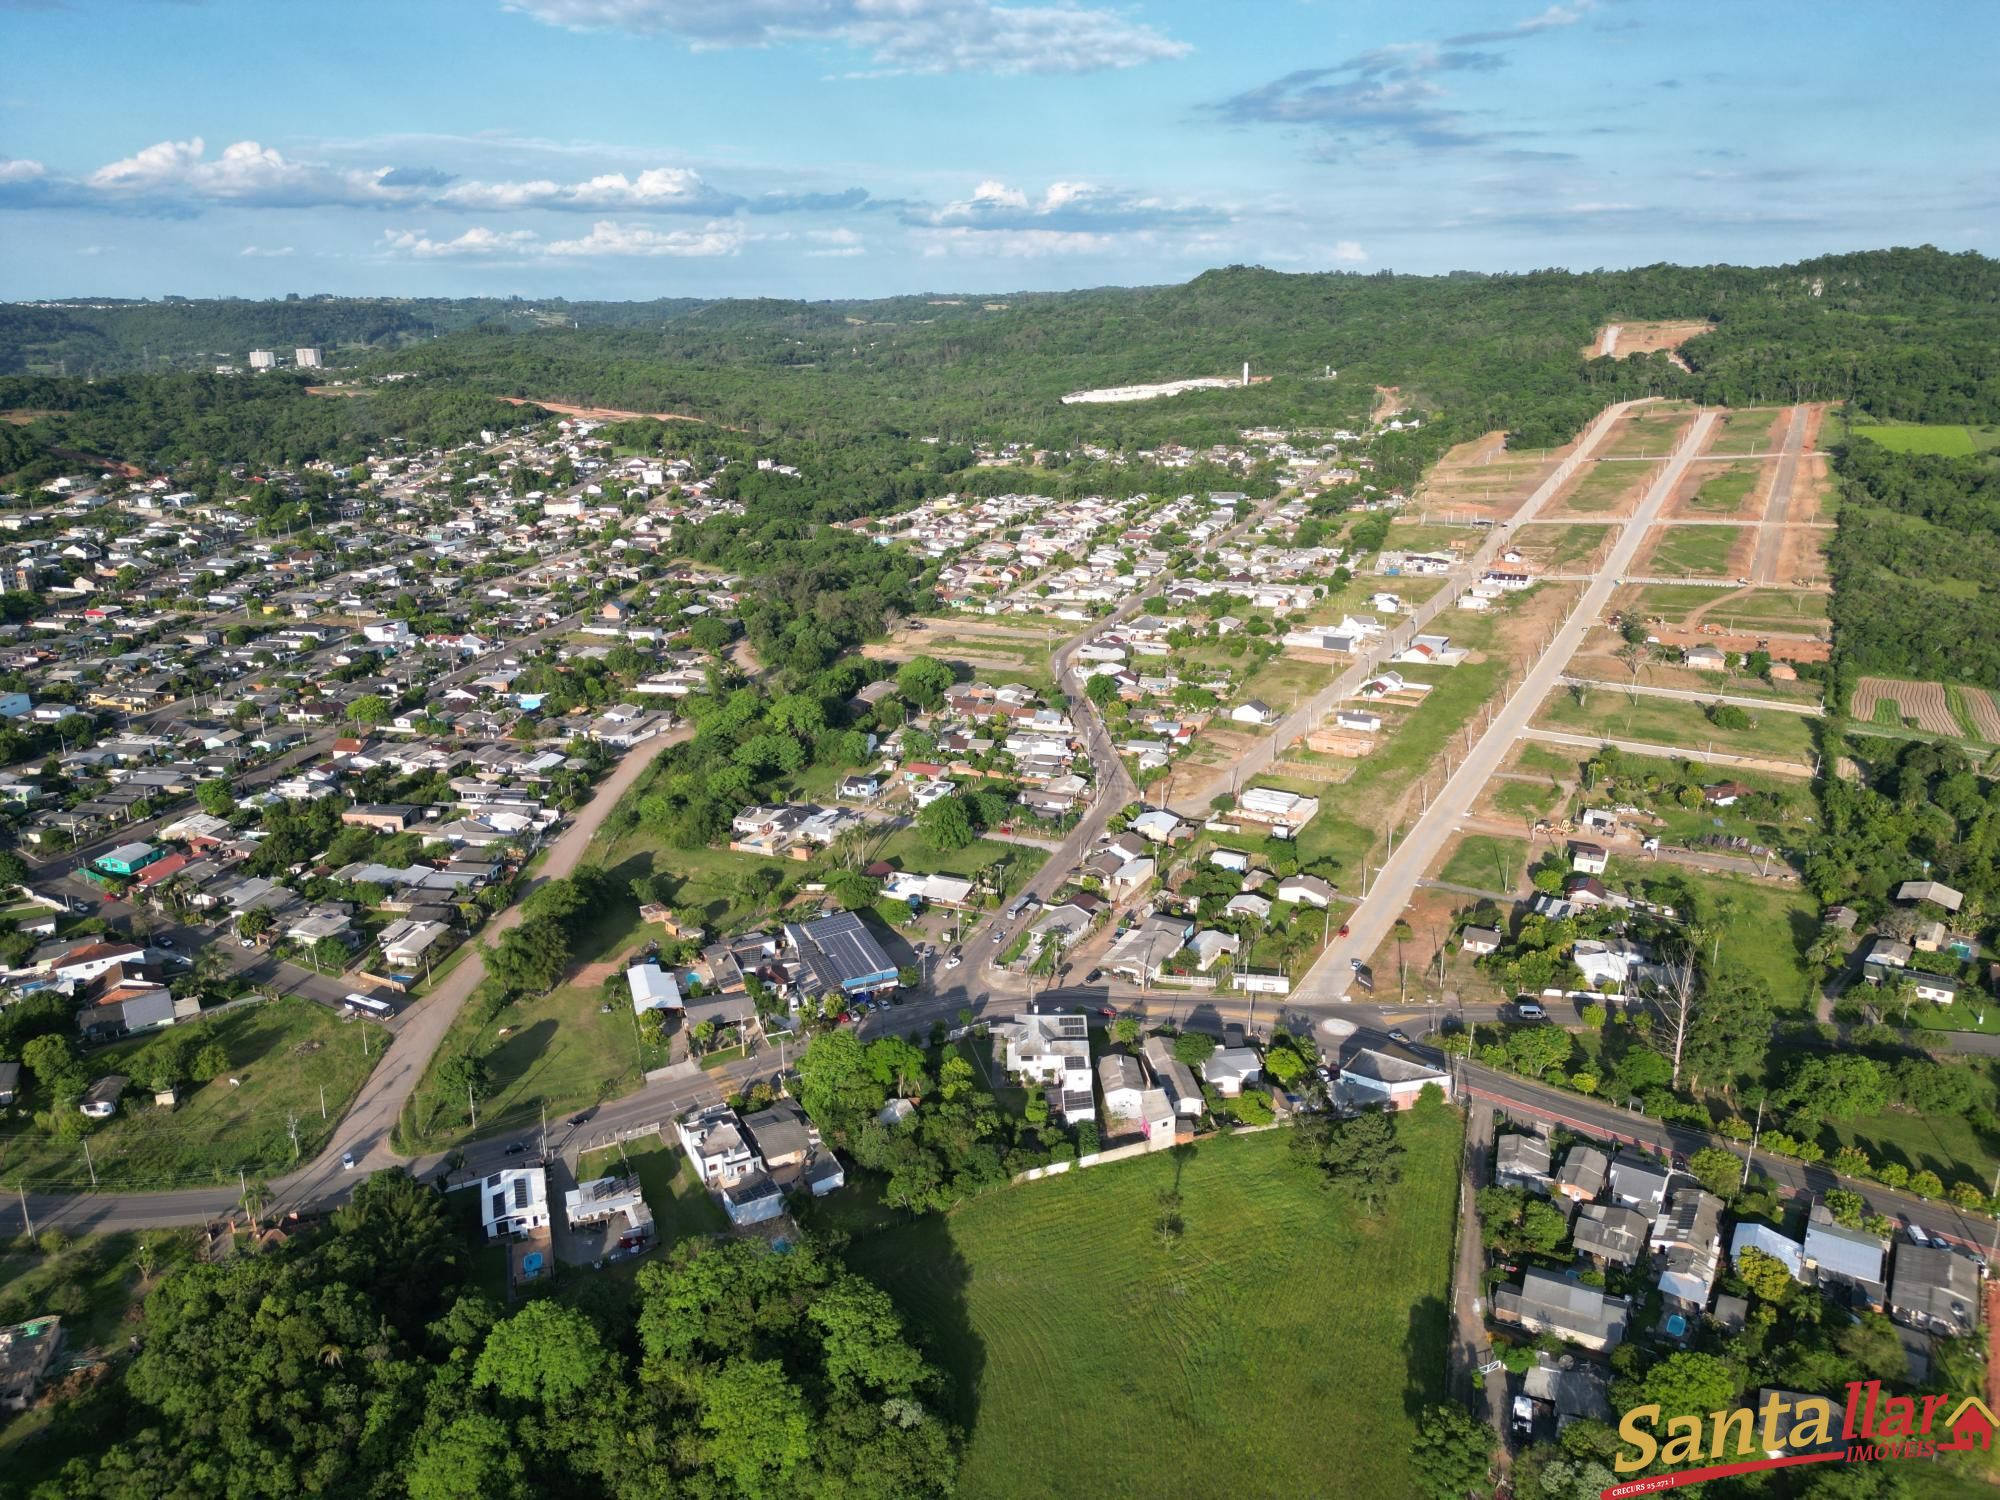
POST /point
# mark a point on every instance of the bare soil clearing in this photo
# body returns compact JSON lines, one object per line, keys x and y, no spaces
{"x":607,"y":413}
{"x":1644,"y":338}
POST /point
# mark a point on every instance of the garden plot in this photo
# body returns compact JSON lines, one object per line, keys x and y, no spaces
{"x":1983,"y":713}
{"x":1886,"y":701}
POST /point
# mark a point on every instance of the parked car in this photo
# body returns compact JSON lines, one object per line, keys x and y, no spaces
{"x":954,"y":960}
{"x":1528,"y":1010}
{"x":165,"y":942}
{"x":1093,"y":976}
{"x":347,"y":1161}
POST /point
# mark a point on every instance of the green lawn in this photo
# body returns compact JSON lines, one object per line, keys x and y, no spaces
{"x":906,"y":850}
{"x":1694,"y":549}
{"x":1747,"y":430}
{"x":1651,"y":434}
{"x":1087,"y":1359}
{"x":1725,"y":489}
{"x":1946,"y":1144}
{"x":1485,"y":862}
{"x":1947,"y":440}
{"x":1774,"y":733}
{"x":282,"y":1052}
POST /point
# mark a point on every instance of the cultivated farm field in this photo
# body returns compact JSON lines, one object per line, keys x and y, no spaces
{"x":1089,"y":1358}
{"x":1934,"y":707}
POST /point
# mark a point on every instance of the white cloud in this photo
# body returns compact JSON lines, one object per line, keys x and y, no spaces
{"x":902,"y":36}
{"x":658,"y":189}
{"x":1349,"y":252}
{"x":244,"y":173}
{"x":89,"y":250}
{"x":835,"y":243}
{"x":267,"y":252}
{"x":718,"y":237}
{"x":1082,"y":207}
{"x":473,"y":244}
{"x":20,"y":169}
{"x":1017,"y":243}
{"x":607,"y":238}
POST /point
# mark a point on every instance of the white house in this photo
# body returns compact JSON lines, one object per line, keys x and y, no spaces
{"x":1392,"y":1080}
{"x":514,"y":1201}
{"x":1305,"y":890}
{"x":653,"y":988}
{"x":1230,"y":1068}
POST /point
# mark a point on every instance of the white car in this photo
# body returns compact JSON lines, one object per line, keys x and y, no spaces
{"x":347,"y":1161}
{"x":953,"y":962}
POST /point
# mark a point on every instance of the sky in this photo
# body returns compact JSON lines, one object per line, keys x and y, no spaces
{"x":846,"y":148}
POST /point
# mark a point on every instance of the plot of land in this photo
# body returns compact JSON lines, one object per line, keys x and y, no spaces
{"x":1731,"y":609}
{"x":1884,"y":700}
{"x":1602,"y":489}
{"x":1722,"y":490}
{"x":1557,"y":548}
{"x":1648,"y":432}
{"x":1681,"y":725}
{"x":1088,"y":1358}
{"x":1695,"y":550}
{"x":280,"y":1053}
{"x":1750,"y":429}
{"x":1948,"y":441}
{"x":1486,"y":862}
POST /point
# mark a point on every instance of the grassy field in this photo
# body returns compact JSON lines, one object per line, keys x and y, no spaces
{"x":282,"y":1052}
{"x":1525,"y":799}
{"x":1486,"y":863}
{"x":1604,"y":487}
{"x":93,"y":1283}
{"x":1759,"y":609}
{"x":1774,"y":734}
{"x":1747,"y":430}
{"x":1947,"y":1144}
{"x":1725,"y":490}
{"x":1088,"y":1359}
{"x":1945,"y":440}
{"x":1556,"y":546}
{"x":562,"y":1049}
{"x":1695,"y":549}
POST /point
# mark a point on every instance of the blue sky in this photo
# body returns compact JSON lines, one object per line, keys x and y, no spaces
{"x":641,"y":148}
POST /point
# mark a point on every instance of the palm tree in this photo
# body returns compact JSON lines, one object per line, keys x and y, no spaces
{"x":256,"y":1198}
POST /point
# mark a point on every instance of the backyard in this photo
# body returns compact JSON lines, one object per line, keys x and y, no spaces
{"x":281,"y":1053}
{"x":1088,"y":1355}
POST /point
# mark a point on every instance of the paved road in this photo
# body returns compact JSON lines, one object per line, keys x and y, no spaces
{"x":1692,"y":695}
{"x":1369,"y":923}
{"x":1770,"y":540}
{"x":1257,"y":759}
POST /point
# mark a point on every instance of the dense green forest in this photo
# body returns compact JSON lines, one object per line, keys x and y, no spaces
{"x":1914,"y":564}
{"x":162,"y":421}
{"x":103,"y":336}
{"x":364,"y":1359}
{"x":1901,"y":334}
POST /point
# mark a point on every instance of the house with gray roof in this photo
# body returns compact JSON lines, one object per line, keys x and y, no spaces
{"x":1610,"y":1234}
{"x":1639,"y":1182}
{"x":1936,"y":1289}
{"x":1547,"y":1303}
{"x":1583,"y":1172}
{"x":1521,"y":1161}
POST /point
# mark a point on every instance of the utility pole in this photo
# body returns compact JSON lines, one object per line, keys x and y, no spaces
{"x":90,"y":1164}
{"x":25,"y":1219}
{"x":322,"y":1101}
{"x":545,"y":1130}
{"x":1759,"y":1130}
{"x":472,"y":1106}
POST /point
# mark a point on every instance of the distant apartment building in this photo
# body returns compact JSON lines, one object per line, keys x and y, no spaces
{"x":306,"y":359}
{"x":263,"y":359}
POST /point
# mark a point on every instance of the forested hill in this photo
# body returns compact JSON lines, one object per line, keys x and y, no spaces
{"x":1902,"y":334}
